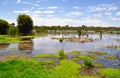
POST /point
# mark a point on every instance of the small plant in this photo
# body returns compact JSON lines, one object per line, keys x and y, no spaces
{"x":61,"y":40}
{"x":88,"y":63}
{"x":61,"y":53}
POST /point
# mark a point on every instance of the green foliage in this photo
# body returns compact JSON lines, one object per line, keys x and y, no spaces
{"x":13,"y":31}
{"x":22,"y":68}
{"x":3,"y":26}
{"x":88,"y":63}
{"x":110,"y":73}
{"x":25,"y":24}
{"x":66,"y":69}
{"x":61,"y":53}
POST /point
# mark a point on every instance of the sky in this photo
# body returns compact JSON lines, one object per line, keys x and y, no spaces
{"x":63,"y":12}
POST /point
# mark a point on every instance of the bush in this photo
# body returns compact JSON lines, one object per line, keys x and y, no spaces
{"x":3,"y":27}
{"x":13,"y":31}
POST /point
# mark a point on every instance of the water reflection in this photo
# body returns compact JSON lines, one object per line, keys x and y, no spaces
{"x":4,"y":46}
{"x":26,"y":45}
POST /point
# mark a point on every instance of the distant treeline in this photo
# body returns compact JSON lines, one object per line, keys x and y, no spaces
{"x":80,"y":28}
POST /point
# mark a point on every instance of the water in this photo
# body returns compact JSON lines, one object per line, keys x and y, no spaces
{"x":44,"y":44}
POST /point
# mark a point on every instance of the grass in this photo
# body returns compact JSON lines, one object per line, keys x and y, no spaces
{"x":88,"y":63}
{"x":109,"y":57}
{"x":110,"y":73}
{"x":7,"y":39}
{"x":28,"y":68}
{"x":42,"y":56}
{"x":74,"y":52}
{"x":97,"y":53}
{"x":22,"y":68}
{"x":66,"y":69}
{"x":61,"y":53}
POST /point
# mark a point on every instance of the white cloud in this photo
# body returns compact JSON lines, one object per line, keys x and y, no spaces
{"x":74,"y":14}
{"x":118,"y":13}
{"x":18,"y":1}
{"x":102,"y":7}
{"x":38,"y":20}
{"x":108,"y":13}
{"x":114,"y":18}
{"x":23,"y":11}
{"x":37,"y":12}
{"x":44,"y":12}
{"x":75,"y":7}
{"x":98,"y":15}
{"x":52,"y":7}
{"x":48,"y":12}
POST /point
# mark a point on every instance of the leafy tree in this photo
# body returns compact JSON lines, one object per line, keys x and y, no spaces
{"x":25,"y":24}
{"x":4,"y":25}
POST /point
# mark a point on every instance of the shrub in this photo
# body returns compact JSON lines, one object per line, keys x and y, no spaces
{"x":13,"y":31}
{"x":3,"y":26}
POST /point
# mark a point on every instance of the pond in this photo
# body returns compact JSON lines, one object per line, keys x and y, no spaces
{"x":108,"y":43}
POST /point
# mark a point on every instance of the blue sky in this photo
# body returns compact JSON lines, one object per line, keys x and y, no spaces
{"x":63,"y":12}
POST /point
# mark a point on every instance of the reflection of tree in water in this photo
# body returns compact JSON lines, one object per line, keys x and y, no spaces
{"x":26,"y":45}
{"x":4,"y":46}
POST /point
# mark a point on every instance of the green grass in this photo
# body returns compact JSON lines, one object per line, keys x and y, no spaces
{"x":61,"y":53}
{"x":22,"y":68}
{"x":97,"y":53}
{"x":110,"y":73}
{"x":110,"y":57}
{"x":88,"y":63}
{"x":43,"y":56}
{"x":66,"y":69}
{"x":74,"y":52}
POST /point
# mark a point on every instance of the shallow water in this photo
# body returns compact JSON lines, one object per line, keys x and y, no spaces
{"x":44,"y":44}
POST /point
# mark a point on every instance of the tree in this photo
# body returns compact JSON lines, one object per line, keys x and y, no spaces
{"x":4,"y":25}
{"x":25,"y":24}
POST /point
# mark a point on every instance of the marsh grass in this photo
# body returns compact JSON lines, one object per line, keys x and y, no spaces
{"x":66,"y":69}
{"x":110,"y":73}
{"x":22,"y":68}
{"x":61,"y":53}
{"x":88,"y":63}
{"x":97,"y":53}
{"x":109,"y":57}
{"x":42,"y":56}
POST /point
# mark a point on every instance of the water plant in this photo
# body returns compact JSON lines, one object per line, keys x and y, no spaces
{"x":110,"y":73}
{"x":109,"y":57}
{"x":61,"y":53}
{"x":88,"y":63}
{"x":97,"y":53}
{"x":61,"y":40}
{"x":74,"y":52}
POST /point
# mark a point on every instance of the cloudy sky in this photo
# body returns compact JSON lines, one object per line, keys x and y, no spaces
{"x":63,"y":12}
